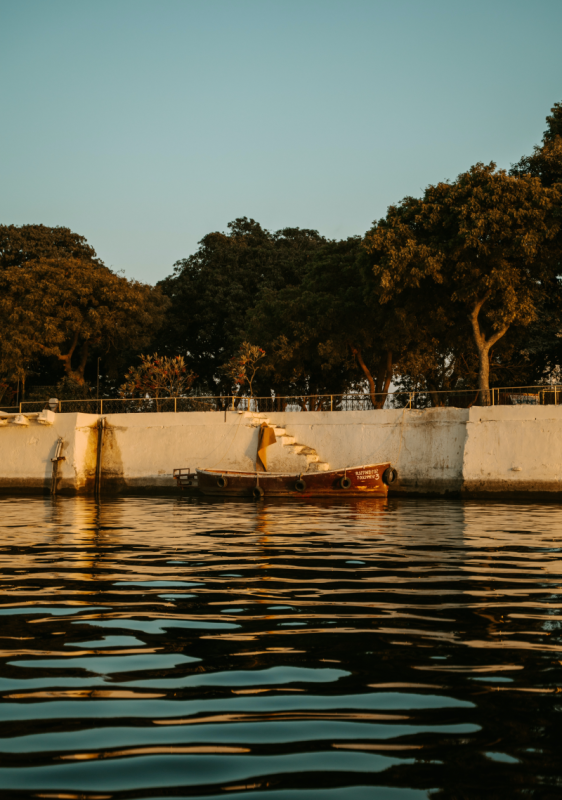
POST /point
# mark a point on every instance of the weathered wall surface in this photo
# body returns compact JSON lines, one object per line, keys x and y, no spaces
{"x":481,"y":451}
{"x":26,"y":452}
{"x":426,"y":447}
{"x":142,"y":450}
{"x":513,"y":449}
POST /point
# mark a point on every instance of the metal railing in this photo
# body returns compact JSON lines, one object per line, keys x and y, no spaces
{"x":458,"y":398}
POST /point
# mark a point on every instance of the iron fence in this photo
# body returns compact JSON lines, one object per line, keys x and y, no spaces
{"x":116,"y":405}
{"x":458,"y":398}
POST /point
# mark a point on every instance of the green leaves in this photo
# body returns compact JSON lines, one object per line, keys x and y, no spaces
{"x":158,"y":376}
{"x":484,"y":246}
{"x":214,"y":291}
{"x":62,"y":307}
{"x":22,"y":244}
{"x":242,"y":367}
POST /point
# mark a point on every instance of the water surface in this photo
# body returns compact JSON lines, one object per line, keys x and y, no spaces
{"x":396,"y":649}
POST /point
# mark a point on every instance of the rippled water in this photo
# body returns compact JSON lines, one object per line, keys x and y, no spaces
{"x":182,"y":648}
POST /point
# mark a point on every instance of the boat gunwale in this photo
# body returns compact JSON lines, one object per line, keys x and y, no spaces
{"x":291,"y":474}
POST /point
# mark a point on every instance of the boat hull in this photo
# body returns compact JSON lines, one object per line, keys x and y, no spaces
{"x":357,"y":481}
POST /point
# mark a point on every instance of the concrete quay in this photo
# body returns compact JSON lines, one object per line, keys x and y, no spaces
{"x":499,"y":451}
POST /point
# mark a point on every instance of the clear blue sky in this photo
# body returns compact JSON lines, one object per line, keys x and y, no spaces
{"x":145,"y":124}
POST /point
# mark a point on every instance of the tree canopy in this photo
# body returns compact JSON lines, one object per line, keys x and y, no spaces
{"x":484,"y":245}
{"x":458,"y":287}
{"x":545,"y":162}
{"x":63,"y":308}
{"x":212,"y":291}
{"x":58,"y":303}
{"x":21,"y":244}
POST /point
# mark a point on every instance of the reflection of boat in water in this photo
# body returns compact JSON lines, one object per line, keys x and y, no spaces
{"x":368,"y":479}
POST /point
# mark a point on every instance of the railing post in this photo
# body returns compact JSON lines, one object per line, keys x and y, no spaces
{"x":175,"y":405}
{"x":101,"y":405}
{"x":331,"y":402}
{"x":233,"y":402}
{"x":20,"y":408}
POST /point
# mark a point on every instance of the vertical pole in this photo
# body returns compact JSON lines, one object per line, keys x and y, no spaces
{"x":20,"y":408}
{"x":101,"y":406}
{"x":97,"y":484}
{"x":555,"y":395}
{"x":55,"y":463}
{"x":54,"y":476}
{"x":331,"y":402}
{"x":175,"y":405}
{"x":233,"y":402}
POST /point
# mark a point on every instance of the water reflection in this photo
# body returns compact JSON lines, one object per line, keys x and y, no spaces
{"x":399,"y":649}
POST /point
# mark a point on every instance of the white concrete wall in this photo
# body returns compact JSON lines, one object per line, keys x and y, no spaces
{"x":515,"y":449}
{"x":477,"y":451}
{"x":144,"y":449}
{"x":426,"y":447}
{"x":26,"y":452}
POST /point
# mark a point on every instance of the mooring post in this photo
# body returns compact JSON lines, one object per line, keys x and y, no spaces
{"x":55,"y":462}
{"x":97,"y":484}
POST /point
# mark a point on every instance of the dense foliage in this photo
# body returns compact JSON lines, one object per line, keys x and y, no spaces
{"x":157,"y":376}
{"x":485,"y":244}
{"x":457,"y":289}
{"x":60,"y":308}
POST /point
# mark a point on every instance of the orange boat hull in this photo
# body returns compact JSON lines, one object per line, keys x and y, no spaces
{"x":356,"y":481}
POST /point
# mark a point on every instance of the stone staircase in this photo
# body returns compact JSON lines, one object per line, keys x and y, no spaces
{"x":305,"y":456}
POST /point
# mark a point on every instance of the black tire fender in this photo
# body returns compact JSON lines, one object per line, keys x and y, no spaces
{"x":257,"y":492}
{"x":389,"y":475}
{"x":222,"y":482}
{"x":300,"y":485}
{"x":345,"y":483}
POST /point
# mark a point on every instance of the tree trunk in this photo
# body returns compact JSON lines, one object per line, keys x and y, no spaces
{"x":379,"y":389}
{"x":83,"y":360}
{"x":66,"y":359}
{"x":484,"y":375}
{"x":483,"y":346}
{"x":435,"y":399}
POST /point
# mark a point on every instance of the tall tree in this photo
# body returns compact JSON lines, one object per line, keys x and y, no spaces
{"x":62,"y":307}
{"x":331,"y":334}
{"x":482,"y":245}
{"x":545,"y":350}
{"x":355,"y":325}
{"x":212,"y":291}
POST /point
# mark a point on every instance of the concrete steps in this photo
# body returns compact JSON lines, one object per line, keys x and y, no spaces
{"x":304,"y":456}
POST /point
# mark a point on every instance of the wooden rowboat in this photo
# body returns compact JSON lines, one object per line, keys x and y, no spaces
{"x":368,"y":479}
